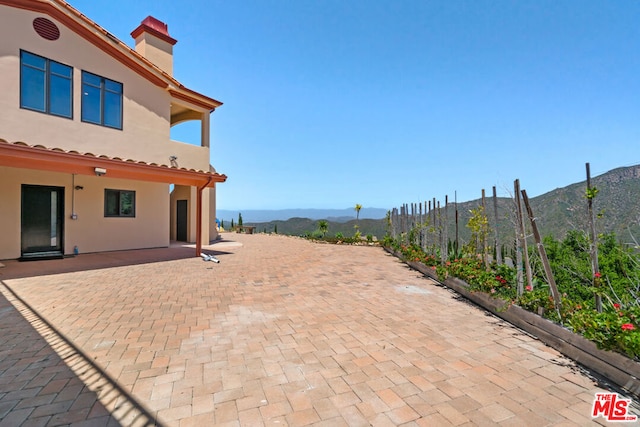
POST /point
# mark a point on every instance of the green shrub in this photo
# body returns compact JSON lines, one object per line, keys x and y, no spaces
{"x":613,"y":329}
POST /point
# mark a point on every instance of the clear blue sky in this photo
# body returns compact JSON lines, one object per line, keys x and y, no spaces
{"x":330,"y":103}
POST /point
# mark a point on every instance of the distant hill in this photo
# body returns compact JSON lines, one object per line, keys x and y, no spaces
{"x":334,"y":215}
{"x":617,"y":205}
{"x":301,"y":226}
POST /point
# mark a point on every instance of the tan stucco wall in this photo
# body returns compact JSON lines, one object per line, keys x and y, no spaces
{"x":180,"y":192}
{"x":146,"y":107}
{"x":156,"y":50}
{"x":91,"y":232}
{"x":190,"y":194}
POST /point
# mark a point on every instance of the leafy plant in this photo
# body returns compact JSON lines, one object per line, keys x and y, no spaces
{"x":538,"y":300}
{"x":591,"y":193}
{"x":613,"y":329}
{"x":323,"y":226}
{"x":479,"y":226}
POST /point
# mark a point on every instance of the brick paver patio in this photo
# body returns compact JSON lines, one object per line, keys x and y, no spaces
{"x":281,"y":332}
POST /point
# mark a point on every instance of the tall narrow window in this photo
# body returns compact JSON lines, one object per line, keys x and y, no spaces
{"x":101,"y":101}
{"x":45,"y":85}
{"x":119,"y":203}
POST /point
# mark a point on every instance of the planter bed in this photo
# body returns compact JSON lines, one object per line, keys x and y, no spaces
{"x":615,"y":367}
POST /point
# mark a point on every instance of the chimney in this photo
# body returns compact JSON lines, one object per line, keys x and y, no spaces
{"x":154,"y":43}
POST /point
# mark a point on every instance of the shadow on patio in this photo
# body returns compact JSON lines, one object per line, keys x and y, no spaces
{"x":46,"y":380}
{"x":14,"y":269}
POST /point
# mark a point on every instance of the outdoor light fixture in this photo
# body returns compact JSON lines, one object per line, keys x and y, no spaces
{"x":79,"y":187}
{"x":100,"y":171}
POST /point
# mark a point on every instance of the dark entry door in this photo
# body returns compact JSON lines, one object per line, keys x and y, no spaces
{"x":181,"y":221}
{"x":42,"y":221}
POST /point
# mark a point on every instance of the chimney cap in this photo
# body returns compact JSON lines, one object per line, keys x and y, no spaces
{"x":155,"y":27}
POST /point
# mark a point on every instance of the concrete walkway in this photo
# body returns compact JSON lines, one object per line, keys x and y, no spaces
{"x":281,"y":332}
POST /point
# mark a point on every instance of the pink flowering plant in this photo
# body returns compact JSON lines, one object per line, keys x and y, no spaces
{"x":497,"y":281}
{"x":414,"y":253}
{"x":616,"y":328}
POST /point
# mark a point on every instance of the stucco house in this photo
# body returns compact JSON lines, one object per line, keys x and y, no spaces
{"x":86,"y":159}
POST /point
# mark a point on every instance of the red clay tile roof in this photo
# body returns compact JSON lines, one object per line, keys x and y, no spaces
{"x":22,"y":155}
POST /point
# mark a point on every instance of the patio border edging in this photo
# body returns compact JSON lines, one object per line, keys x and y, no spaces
{"x":615,"y":367}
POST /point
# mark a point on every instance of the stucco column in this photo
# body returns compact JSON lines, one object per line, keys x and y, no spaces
{"x":199,"y":214}
{"x":205,"y":129}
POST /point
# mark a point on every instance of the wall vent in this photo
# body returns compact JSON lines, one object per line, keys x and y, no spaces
{"x":46,"y":29}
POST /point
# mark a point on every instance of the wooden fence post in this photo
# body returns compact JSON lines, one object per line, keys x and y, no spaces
{"x":445,"y":246}
{"x":485,"y":246}
{"x":457,"y":246}
{"x":402,"y":221}
{"x":424,"y":225}
{"x":434,"y":221}
{"x":593,"y":244}
{"x":543,"y":255}
{"x":394,"y":223}
{"x":440,"y":232}
{"x":519,"y":239}
{"x":523,"y":236}
{"x":496,"y":245}
{"x":405,"y":224}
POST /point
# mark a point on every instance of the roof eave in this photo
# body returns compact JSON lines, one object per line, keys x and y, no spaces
{"x":20,"y":155}
{"x":110,"y":44}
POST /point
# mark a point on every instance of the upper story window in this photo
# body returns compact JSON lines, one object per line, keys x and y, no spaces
{"x":101,"y":101}
{"x":45,"y":85}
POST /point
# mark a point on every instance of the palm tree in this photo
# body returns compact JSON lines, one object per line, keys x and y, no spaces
{"x":357,"y":226}
{"x":323,"y":226}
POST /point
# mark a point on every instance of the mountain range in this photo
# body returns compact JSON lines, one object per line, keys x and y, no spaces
{"x":617,"y":207}
{"x":334,"y":215}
